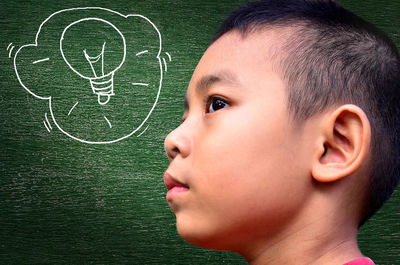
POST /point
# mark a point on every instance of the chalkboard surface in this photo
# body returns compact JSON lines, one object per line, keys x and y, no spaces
{"x":87,"y":98}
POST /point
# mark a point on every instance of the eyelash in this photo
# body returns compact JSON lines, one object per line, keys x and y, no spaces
{"x":212,"y":99}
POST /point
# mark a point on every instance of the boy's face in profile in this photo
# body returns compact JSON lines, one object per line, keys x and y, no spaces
{"x":239,"y":170}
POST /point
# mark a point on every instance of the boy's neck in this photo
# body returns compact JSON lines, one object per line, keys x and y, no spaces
{"x":318,"y":243}
{"x":337,"y":254}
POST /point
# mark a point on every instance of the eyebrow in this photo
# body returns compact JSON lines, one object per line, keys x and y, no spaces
{"x":209,"y":80}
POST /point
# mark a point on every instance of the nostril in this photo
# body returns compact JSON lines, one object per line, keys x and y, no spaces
{"x":177,"y":143}
{"x":172,"y":153}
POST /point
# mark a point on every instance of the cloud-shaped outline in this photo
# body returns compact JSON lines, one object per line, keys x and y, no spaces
{"x":35,"y":44}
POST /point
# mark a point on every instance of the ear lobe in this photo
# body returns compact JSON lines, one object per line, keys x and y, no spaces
{"x":343,"y":145}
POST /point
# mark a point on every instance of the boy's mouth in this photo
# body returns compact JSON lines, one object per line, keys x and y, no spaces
{"x":174,"y":186}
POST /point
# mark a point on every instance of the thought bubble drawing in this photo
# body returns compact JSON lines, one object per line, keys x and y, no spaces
{"x":100,"y":71}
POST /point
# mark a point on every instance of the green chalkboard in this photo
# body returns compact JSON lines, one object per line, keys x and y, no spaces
{"x":89,"y":90}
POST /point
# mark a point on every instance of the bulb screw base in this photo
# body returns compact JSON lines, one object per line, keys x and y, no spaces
{"x":104,"y":87}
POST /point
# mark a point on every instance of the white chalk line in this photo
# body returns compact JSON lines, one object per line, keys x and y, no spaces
{"x":41,"y":60}
{"x":102,"y":58}
{"x":143,"y":131}
{"x":140,"y":84}
{"x":45,"y":125}
{"x":165,"y":64}
{"x":142,"y":52}
{"x":9,"y":45}
{"x":169,"y":56}
{"x":9,"y":54}
{"x":109,"y":123}
{"x":47,"y":120}
{"x":72,"y":108}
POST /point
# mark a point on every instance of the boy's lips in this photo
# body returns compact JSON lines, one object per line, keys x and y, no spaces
{"x":173,"y":186}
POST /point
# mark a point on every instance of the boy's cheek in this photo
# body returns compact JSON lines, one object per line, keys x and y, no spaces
{"x":245,"y":196}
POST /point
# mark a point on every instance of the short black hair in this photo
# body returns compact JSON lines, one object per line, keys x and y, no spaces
{"x":333,"y":58}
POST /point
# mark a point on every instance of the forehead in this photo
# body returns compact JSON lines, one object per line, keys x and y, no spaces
{"x":236,"y":59}
{"x":233,"y":48}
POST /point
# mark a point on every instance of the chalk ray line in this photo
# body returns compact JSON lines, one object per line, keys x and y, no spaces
{"x":9,"y":54}
{"x":169,"y":56}
{"x":41,"y":60}
{"x":109,"y":123}
{"x":142,"y":52}
{"x":45,"y":115}
{"x":165,"y":64}
{"x":45,"y":125}
{"x":9,"y":45}
{"x":72,"y":108}
{"x":140,"y":84}
{"x":143,"y":131}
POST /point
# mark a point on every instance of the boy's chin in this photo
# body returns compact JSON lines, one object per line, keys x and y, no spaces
{"x":186,"y":229}
{"x":201,"y":235}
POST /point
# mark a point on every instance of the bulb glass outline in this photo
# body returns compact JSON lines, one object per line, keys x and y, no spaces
{"x":103,"y":85}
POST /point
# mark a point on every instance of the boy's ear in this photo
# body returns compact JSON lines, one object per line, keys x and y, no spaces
{"x":343,"y":144}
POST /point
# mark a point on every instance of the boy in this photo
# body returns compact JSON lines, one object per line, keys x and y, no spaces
{"x":289,"y":139}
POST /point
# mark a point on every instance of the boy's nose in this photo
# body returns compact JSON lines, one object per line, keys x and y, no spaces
{"x":177,"y":143}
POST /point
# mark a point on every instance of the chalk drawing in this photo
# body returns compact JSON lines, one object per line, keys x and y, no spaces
{"x":45,"y":125}
{"x":143,"y":131}
{"x":165,"y":64}
{"x":40,"y":61}
{"x":47,"y":121}
{"x":140,"y":84}
{"x":109,"y":123}
{"x":10,"y":49}
{"x":169,"y":56}
{"x":142,"y":52}
{"x":94,"y":54}
{"x":69,"y":112}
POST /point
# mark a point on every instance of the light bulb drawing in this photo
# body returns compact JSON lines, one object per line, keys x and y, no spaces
{"x":102,"y":85}
{"x":100,"y":71}
{"x":93,"y":68}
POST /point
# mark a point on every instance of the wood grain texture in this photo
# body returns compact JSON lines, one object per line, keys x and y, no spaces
{"x":66,"y":202}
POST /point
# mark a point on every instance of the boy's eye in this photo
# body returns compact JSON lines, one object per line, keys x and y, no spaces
{"x":215,"y":104}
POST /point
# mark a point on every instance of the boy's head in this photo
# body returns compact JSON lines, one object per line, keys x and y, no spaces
{"x":330,"y":58}
{"x":291,"y":116}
